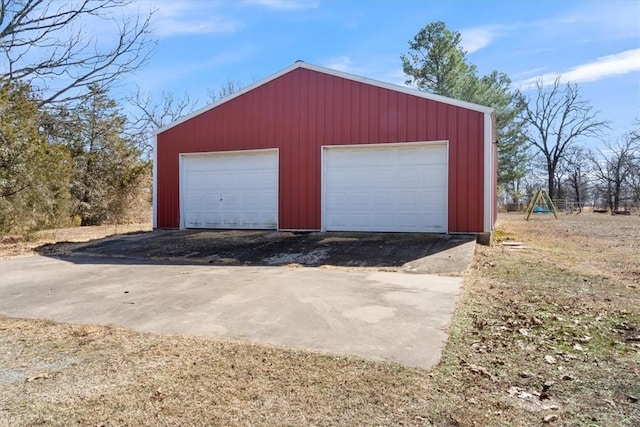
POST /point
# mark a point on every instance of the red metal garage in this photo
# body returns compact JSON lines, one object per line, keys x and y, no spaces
{"x":311,"y":148}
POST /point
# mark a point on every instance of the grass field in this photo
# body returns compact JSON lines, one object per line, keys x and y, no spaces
{"x":547,"y":331}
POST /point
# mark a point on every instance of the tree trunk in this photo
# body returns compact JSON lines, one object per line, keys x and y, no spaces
{"x":551,"y":182}
{"x":610,"y":196}
{"x":575,"y":183}
{"x":579,"y":199}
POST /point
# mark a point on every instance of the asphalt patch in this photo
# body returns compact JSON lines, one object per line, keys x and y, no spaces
{"x":269,"y":248}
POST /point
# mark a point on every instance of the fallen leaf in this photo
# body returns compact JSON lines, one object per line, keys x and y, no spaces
{"x":516,"y":391}
{"x":480,"y":370}
{"x":550,"y":359}
{"x":157,"y":395}
{"x":44,"y":376}
{"x":537,"y":321}
{"x":549,"y":418}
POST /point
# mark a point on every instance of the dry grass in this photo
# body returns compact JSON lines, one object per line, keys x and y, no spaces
{"x":117,"y":377}
{"x":14,"y":245}
{"x":571,"y":296}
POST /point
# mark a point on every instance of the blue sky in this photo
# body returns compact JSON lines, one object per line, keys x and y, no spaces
{"x":203,"y":44}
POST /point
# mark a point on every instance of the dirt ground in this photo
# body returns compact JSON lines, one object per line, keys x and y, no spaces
{"x":547,"y":332}
{"x":13,"y":245}
{"x":267,"y":248}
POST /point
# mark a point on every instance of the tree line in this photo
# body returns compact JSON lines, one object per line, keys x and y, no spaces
{"x":67,"y":153}
{"x":541,"y":136}
{"x":70,"y":155}
{"x":62,"y":166}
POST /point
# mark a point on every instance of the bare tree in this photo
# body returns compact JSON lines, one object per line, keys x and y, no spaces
{"x":634,"y":184}
{"x":555,"y":120}
{"x":634,"y":178}
{"x":150,"y":115}
{"x":577,"y":171}
{"x":224,"y":90}
{"x":615,"y":167}
{"x":45,"y":44}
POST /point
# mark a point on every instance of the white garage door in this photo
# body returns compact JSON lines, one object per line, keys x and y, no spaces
{"x":237,"y":190}
{"x":386,"y":188}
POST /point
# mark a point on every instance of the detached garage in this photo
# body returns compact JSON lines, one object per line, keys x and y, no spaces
{"x":311,"y":148}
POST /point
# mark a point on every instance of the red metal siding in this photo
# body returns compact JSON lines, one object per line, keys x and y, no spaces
{"x":303,"y":110}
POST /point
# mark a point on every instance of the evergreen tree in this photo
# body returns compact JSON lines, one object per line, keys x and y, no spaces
{"x":34,"y":175}
{"x":437,"y":63}
{"x":108,"y":170}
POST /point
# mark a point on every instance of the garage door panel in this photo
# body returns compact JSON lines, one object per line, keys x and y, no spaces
{"x":391,"y":188}
{"x":407,"y":221}
{"x":432,"y":176}
{"x":408,"y":199}
{"x":355,"y":176}
{"x":338,"y":199}
{"x":231,"y":190}
{"x":381,"y":220}
{"x":408,"y":176}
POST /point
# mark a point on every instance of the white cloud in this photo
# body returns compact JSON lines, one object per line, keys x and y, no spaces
{"x":624,"y":62}
{"x":535,"y":71}
{"x":376,"y":70}
{"x":214,"y":24}
{"x":285,"y":4}
{"x":396,"y":76}
{"x":188,"y":17}
{"x":342,"y":63}
{"x":586,"y":22}
{"x":618,"y":20}
{"x":474,"y":39}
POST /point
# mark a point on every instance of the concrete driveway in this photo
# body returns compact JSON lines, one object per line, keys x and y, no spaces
{"x":373,"y":313}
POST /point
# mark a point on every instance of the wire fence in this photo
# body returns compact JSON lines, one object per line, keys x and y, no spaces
{"x":567,"y":205}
